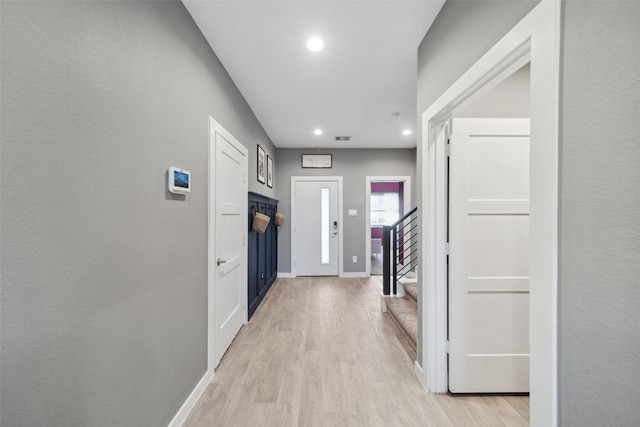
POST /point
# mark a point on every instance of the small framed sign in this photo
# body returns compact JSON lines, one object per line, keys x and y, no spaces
{"x":317,"y":161}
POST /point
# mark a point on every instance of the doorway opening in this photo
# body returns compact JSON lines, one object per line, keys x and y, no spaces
{"x":535,"y":39}
{"x":388,"y":198}
{"x":488,"y":236}
{"x":387,"y":206}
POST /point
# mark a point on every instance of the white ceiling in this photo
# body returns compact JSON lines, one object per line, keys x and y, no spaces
{"x":365,"y":73}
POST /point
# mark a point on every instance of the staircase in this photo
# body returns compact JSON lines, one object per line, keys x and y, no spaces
{"x":400,"y":283}
{"x":404,"y":312}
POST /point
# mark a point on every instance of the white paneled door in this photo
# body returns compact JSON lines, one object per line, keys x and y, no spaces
{"x":316,"y":227}
{"x":489,"y":256}
{"x":229,"y":261}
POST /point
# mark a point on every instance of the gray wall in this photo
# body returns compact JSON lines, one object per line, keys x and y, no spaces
{"x":509,"y":99}
{"x":599,"y":257}
{"x":104,"y":274}
{"x":354,"y":166}
{"x":461,"y":34}
{"x":599,"y":226}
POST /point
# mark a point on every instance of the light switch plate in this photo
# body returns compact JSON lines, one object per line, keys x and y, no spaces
{"x":353,"y":212}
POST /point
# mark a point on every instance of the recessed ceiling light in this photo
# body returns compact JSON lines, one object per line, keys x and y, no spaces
{"x":406,"y":132}
{"x":315,"y":44}
{"x":317,"y":132}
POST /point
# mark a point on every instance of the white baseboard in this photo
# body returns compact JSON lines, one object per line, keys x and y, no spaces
{"x":383,"y":303}
{"x":421,"y":376}
{"x":285,"y":275}
{"x":191,"y":401}
{"x":349,"y":274}
{"x":355,"y":274}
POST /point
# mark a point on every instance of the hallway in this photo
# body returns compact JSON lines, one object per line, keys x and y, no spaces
{"x":318,"y":351}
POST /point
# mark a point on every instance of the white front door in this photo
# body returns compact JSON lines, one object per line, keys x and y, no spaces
{"x":228,"y":204}
{"x":489,"y":256}
{"x":317,"y":228}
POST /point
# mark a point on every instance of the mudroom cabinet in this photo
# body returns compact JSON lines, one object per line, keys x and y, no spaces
{"x":263,"y":250}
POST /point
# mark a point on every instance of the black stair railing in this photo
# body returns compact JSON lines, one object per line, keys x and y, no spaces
{"x":399,"y":251}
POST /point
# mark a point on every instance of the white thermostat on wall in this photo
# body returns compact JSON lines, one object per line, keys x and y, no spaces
{"x":179,"y":181}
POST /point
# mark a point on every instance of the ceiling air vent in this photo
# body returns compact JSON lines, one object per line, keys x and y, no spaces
{"x":343,"y":138}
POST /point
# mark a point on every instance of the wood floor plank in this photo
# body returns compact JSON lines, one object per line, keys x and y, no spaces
{"x":319,"y":352}
{"x":519,"y":404}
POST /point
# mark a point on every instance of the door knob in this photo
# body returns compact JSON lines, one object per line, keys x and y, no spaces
{"x":222,"y":261}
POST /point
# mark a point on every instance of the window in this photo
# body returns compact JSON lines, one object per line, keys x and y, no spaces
{"x":385,"y":208}
{"x":324,"y":225}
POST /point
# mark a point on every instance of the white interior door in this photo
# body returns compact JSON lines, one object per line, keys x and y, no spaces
{"x":317,"y":228}
{"x":489,"y":256}
{"x":229,"y":259}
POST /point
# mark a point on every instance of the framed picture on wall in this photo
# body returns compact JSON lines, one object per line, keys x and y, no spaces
{"x":269,"y":171}
{"x":261,"y":165}
{"x":317,"y":161}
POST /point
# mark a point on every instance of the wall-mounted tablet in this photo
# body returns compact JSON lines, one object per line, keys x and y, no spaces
{"x":179,"y":181}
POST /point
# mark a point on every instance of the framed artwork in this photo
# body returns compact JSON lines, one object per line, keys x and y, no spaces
{"x":261,"y":164}
{"x":317,"y":161}
{"x":269,"y":171}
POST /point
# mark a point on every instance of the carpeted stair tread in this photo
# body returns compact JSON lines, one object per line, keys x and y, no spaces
{"x":411,"y":289}
{"x":404,"y":311}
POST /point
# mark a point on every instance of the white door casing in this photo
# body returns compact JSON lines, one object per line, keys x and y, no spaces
{"x":227,"y":240}
{"x":489,"y":256}
{"x":316,"y":223}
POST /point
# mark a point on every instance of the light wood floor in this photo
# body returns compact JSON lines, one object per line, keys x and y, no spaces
{"x":319,"y":352}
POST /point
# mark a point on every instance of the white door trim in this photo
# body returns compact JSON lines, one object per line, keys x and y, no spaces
{"x":214,"y":127}
{"x":337,"y":179}
{"x":367,"y":210}
{"x":537,"y":39}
